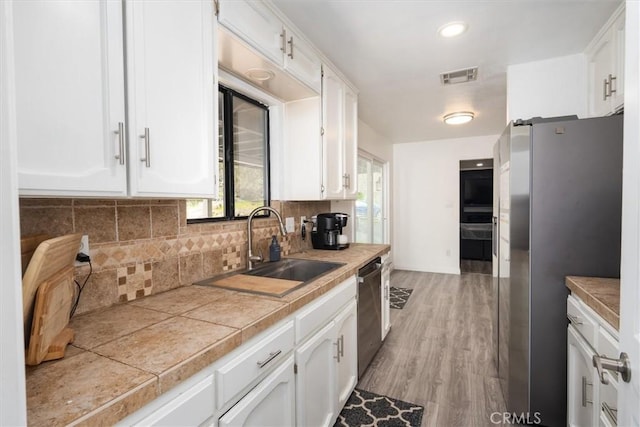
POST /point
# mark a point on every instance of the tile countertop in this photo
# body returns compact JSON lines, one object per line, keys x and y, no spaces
{"x":125,"y":356}
{"x":601,"y":294}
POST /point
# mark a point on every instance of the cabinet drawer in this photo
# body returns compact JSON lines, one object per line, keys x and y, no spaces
{"x":248,"y":366}
{"x":318,"y":313}
{"x":193,"y":407}
{"x":581,"y":320}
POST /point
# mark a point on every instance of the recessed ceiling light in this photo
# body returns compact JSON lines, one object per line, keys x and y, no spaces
{"x":452,"y":29}
{"x":259,"y":74}
{"x":479,"y":164}
{"x":458,"y":118}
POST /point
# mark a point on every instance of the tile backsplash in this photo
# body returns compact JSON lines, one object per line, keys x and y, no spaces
{"x":143,"y":247}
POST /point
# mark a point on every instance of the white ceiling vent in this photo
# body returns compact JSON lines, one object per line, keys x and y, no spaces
{"x":460,"y":76}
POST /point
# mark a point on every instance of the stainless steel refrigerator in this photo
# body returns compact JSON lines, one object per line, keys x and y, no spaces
{"x":557,"y":213}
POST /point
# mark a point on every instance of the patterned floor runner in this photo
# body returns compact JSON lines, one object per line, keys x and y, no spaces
{"x":369,"y":409}
{"x":399,"y":297}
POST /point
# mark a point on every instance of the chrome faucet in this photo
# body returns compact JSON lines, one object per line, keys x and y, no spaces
{"x":251,"y":258}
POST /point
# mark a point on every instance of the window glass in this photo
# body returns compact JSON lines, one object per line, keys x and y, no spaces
{"x":370,"y":223}
{"x":249,"y":149}
{"x":243,"y":160}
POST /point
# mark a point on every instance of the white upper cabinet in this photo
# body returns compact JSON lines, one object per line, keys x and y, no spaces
{"x":73,"y":138}
{"x":171,"y":88}
{"x":605,"y":56}
{"x":261,"y":28}
{"x":70,"y":98}
{"x":340,"y":144}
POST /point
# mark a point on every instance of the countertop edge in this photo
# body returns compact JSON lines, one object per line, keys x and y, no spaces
{"x":576,"y":285}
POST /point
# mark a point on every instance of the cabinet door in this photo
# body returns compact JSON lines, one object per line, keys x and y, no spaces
{"x":332,"y":122}
{"x":347,"y":366}
{"x":581,"y":382}
{"x":69,"y":72}
{"x":301,"y":61}
{"x":618,"y":85}
{"x":350,"y":143}
{"x":316,"y":379}
{"x":171,"y":89}
{"x":270,"y":403}
{"x":255,"y":24}
{"x":601,"y":62}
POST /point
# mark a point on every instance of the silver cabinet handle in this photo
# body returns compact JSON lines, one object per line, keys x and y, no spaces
{"x":337,"y":344}
{"x":120,"y":132}
{"x":341,"y":346}
{"x":290,"y":43}
{"x":621,"y":365}
{"x":348,"y":180}
{"x":147,"y":156}
{"x":574,"y":319}
{"x":605,"y":95}
{"x":611,"y":80}
{"x":612,"y":413}
{"x":272,"y":356}
{"x":283,"y":41}
{"x":585,"y":383}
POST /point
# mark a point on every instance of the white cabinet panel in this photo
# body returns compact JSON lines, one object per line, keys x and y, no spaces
{"x":386,"y":297}
{"x":582,"y":392}
{"x":234,"y":376}
{"x":316,"y":379}
{"x":255,"y":24}
{"x":171,"y":89}
{"x":70,"y":97}
{"x":301,"y":60}
{"x":350,"y":171}
{"x":347,"y":366}
{"x":193,"y":407}
{"x":333,"y":148}
{"x":270,"y":403}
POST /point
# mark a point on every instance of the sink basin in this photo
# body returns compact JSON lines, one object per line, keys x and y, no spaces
{"x":300,"y":270}
{"x":273,"y":278}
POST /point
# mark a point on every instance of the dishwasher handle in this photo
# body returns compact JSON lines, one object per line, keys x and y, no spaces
{"x":378,"y":269}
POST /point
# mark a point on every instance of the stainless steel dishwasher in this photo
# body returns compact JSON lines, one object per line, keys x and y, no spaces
{"x":369,"y":313}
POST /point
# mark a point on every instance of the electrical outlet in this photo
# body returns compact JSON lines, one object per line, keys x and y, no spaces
{"x":84,"y":247}
{"x":290,"y":224}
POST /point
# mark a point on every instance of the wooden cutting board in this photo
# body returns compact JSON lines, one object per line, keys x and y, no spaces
{"x":28,"y":245}
{"x":258,"y":285}
{"x":49,"y":332}
{"x":49,"y":258}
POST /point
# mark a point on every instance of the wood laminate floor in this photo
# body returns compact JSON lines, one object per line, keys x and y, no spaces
{"x":439,"y":352}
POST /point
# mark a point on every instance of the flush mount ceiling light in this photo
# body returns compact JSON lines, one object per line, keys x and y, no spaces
{"x":259,"y":74}
{"x":479,"y":164}
{"x":452,"y":29}
{"x":458,"y":118}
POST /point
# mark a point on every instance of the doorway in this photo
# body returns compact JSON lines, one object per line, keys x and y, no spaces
{"x":476,"y":213}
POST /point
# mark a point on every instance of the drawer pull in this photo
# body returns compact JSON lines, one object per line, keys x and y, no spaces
{"x":585,"y":383}
{"x":272,"y":356}
{"x":612,"y":413}
{"x":574,"y":319}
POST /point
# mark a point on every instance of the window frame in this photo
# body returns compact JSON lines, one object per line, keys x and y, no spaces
{"x":228,"y":157}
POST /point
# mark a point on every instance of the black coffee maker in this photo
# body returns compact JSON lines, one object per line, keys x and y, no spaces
{"x":327,"y":231}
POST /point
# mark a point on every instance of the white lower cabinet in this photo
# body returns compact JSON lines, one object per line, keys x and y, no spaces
{"x":270,"y":403}
{"x":589,"y":401}
{"x":581,"y":396}
{"x":347,"y":369}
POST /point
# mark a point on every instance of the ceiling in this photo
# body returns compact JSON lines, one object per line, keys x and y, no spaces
{"x":391,"y":51}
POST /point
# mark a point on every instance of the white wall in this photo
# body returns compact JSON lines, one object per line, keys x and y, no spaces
{"x":12,"y":381}
{"x":548,"y":88}
{"x":426,"y":210}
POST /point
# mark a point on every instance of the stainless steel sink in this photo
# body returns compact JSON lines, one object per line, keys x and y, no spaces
{"x":295,"y":273}
{"x":300,"y":270}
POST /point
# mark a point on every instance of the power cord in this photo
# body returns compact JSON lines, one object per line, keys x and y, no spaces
{"x":81,"y":257}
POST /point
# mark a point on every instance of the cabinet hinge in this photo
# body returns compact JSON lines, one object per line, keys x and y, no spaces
{"x":216,"y":7}
{"x":321,"y":71}
{"x":322,"y":188}
{"x":295,"y":368}
{"x":321,"y":131}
